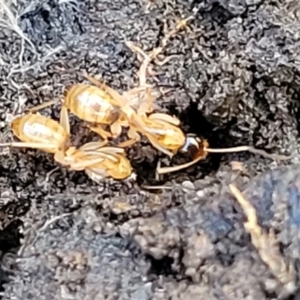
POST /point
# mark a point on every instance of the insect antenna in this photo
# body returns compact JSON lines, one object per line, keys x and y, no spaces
{"x":251,"y":150}
{"x":202,"y":153}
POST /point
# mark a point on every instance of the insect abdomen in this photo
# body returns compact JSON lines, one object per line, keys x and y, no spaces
{"x":38,"y":129}
{"x":90,"y":104}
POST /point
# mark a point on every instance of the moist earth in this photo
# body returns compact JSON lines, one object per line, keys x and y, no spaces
{"x":231,"y":76}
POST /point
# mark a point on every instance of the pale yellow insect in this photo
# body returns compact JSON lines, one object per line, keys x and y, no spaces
{"x":161,"y":129}
{"x":99,"y":162}
{"x":39,"y":132}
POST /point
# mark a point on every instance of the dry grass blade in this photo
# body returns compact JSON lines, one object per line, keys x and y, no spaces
{"x":265,"y":243}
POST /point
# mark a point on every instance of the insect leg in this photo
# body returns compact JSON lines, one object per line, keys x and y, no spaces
{"x":103,"y":133}
{"x":164,"y":118}
{"x":133,"y":138}
{"x":41,"y":106}
{"x":116,"y":129}
{"x":30,"y":145}
{"x":127,"y":143}
{"x":97,"y":149}
{"x":138,"y":90}
{"x":165,"y":170}
{"x":142,"y":73}
{"x":79,"y":166}
{"x":64,"y":119}
{"x":60,"y":158}
{"x":93,"y":146}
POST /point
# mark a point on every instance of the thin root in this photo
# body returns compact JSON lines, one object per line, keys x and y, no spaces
{"x":265,"y":243}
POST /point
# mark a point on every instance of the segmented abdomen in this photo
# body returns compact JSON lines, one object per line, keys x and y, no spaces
{"x":38,"y":129}
{"x":91,"y":104}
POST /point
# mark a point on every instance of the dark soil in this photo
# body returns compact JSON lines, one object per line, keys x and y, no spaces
{"x":235,"y":80}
